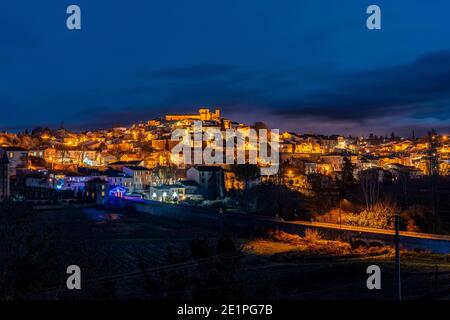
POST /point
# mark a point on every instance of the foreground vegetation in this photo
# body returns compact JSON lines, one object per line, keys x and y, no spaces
{"x":125,"y":255}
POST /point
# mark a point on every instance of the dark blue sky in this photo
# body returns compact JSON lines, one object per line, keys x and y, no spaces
{"x":303,"y":65}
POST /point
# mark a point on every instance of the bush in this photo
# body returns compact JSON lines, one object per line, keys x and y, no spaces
{"x":312,"y":235}
{"x":281,"y":236}
{"x":380,"y":216}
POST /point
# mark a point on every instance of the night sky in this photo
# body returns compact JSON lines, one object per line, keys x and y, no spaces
{"x":305,"y":66}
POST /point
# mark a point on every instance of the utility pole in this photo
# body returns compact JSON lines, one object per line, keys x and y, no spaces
{"x":397,"y":256}
{"x":436,"y":281}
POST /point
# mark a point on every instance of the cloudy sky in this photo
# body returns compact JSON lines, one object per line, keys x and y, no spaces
{"x":300,"y":65}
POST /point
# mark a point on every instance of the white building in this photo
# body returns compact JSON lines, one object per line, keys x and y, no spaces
{"x":141,"y":177}
{"x":167,"y":193}
{"x":120,"y":179}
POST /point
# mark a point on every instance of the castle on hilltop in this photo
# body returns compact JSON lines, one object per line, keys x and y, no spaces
{"x":204,"y":114}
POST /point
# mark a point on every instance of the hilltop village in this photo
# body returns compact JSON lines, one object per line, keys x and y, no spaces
{"x":54,"y":166}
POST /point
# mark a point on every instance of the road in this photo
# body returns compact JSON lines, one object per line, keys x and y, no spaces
{"x":408,"y":240}
{"x":373,"y":230}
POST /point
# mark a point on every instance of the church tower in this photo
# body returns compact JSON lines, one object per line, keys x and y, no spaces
{"x":4,"y":176}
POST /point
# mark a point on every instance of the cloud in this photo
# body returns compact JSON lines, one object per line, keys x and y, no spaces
{"x":413,"y":94}
{"x":411,"y":89}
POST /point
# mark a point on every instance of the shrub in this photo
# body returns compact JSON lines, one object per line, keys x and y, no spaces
{"x":380,"y":216}
{"x":312,"y":235}
{"x":281,"y":236}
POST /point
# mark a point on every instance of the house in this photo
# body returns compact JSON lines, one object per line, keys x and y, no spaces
{"x":167,"y":193}
{"x":37,"y":153}
{"x":311,"y":168}
{"x":191,"y":190}
{"x":335,"y":161}
{"x":118,"y":178}
{"x":399,"y":171}
{"x":97,"y":190}
{"x":141,"y":177}
{"x":63,"y":154}
{"x":210,"y":180}
{"x":295,"y":179}
{"x":77,"y":181}
{"x":107,"y":159}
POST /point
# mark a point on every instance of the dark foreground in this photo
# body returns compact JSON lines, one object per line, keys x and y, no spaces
{"x":127,"y":255}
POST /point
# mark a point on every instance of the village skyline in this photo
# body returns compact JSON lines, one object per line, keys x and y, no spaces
{"x":413,"y":132}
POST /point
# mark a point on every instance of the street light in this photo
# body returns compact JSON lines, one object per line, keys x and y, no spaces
{"x":397,"y":254}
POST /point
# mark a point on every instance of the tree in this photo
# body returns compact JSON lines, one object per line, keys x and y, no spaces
{"x":347,"y":173}
{"x":164,"y":174}
{"x":247,"y":173}
{"x":370,"y":187}
{"x":379,"y":216}
{"x":432,"y":154}
{"x":275,"y":200}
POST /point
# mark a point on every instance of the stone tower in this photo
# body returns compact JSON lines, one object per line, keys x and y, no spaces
{"x":4,"y":176}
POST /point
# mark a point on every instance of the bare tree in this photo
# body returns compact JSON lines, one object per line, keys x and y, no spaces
{"x":164,"y":174}
{"x":370,"y":187}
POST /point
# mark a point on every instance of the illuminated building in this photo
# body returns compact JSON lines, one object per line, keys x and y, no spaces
{"x":203,"y":115}
{"x":141,"y":177}
{"x":167,"y":193}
